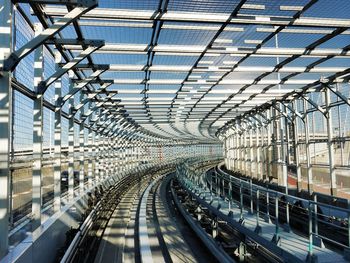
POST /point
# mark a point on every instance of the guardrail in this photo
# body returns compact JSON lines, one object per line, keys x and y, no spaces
{"x":82,"y":231}
{"x":278,"y":206}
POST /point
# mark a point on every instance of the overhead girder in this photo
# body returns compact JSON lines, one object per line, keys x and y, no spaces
{"x":83,"y":3}
{"x":281,"y":112}
{"x":43,"y":85}
{"x":91,"y":96}
{"x":258,"y":79}
{"x":208,"y":18}
{"x":337,"y":93}
{"x":310,"y":47}
{"x":79,"y":87}
{"x":202,"y":69}
{"x":294,"y":112}
{"x":195,"y":50}
{"x":314,"y":104}
{"x":211,"y":82}
{"x":15,"y":57}
{"x":96,"y":107}
{"x":74,"y":44}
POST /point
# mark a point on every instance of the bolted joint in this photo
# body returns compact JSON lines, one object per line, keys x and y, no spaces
{"x":60,"y":102}
{"x":11,"y":62}
{"x":97,"y":43}
{"x":73,"y":111}
{"x":41,"y":88}
{"x":87,"y":3}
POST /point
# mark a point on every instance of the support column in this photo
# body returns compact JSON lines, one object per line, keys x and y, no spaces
{"x":102,"y":153}
{"x":71,"y":144}
{"x":276,"y":172}
{"x":239,"y":154}
{"x":58,"y":143}
{"x":37,"y":136}
{"x":297,"y":149}
{"x":90,"y":157}
{"x":110,"y":156}
{"x":258,"y":142}
{"x":308,"y":152}
{"x":245,"y":150}
{"x":234,"y":160}
{"x":115,"y":156}
{"x":96,"y":151}
{"x":284,"y":148}
{"x":5,"y":122}
{"x":251,"y":155}
{"x":81,"y":158}
{"x":231,"y":152}
{"x":330,"y":143}
{"x":269,"y":150}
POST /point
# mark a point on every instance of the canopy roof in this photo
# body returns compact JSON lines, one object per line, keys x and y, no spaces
{"x":181,"y":69}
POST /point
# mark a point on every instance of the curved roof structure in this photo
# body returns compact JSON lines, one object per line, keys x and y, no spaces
{"x":182,"y":69}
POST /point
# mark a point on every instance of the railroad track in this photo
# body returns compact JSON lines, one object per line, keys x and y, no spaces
{"x":141,"y":230}
{"x":140,"y":226}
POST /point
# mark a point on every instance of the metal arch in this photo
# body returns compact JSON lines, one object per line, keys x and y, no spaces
{"x":94,"y":94}
{"x":43,"y":85}
{"x":79,"y":87}
{"x":209,"y":45}
{"x":15,"y":57}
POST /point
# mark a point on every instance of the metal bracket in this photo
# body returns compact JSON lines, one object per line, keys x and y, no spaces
{"x":258,"y":230}
{"x":318,"y":107}
{"x":283,"y":113}
{"x":276,"y":240}
{"x":295,"y":113}
{"x":338,"y":94}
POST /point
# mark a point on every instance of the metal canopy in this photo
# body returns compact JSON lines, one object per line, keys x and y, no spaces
{"x":182,"y":69}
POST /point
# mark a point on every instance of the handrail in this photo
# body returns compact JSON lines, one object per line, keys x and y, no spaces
{"x":78,"y":236}
{"x":310,"y":206}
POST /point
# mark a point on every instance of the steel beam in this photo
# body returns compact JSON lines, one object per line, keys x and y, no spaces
{"x":82,"y":84}
{"x":297,"y":149}
{"x":308,"y":152}
{"x":60,"y":72}
{"x":71,"y":147}
{"x":213,"y":18}
{"x":338,"y":94}
{"x":58,"y":141}
{"x":5,"y":122}
{"x":96,"y":151}
{"x":90,"y":97}
{"x":209,"y":82}
{"x":199,"y":69}
{"x":81,"y":158}
{"x":15,"y":57}
{"x":37,"y":136}
{"x":330,"y":143}
{"x":83,"y":3}
{"x":71,"y":41}
{"x":314,"y":104}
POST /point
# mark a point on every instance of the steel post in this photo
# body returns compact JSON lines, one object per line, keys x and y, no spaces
{"x":37,"y":136}
{"x":5,"y":122}
{"x":58,"y":141}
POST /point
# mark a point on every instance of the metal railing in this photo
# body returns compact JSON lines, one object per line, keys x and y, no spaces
{"x":282,"y":209}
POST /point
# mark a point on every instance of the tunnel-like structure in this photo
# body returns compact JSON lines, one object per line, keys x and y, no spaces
{"x":95,"y":90}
